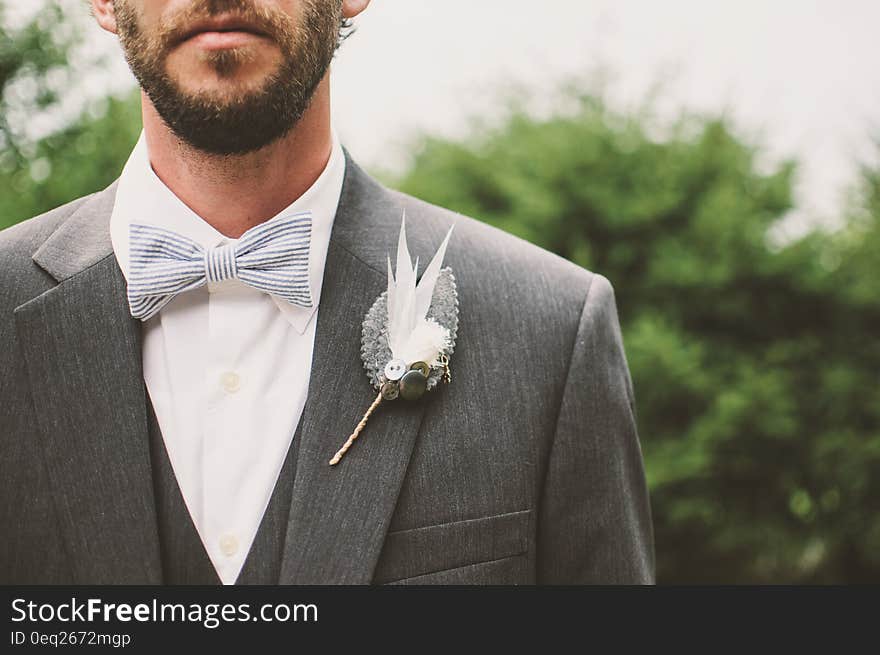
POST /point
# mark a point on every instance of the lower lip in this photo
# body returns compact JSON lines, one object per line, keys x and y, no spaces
{"x":223,"y":40}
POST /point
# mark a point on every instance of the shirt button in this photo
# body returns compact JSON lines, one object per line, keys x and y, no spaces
{"x":228,"y":545}
{"x":230,"y":381}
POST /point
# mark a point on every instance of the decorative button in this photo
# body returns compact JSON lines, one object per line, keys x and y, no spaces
{"x":230,"y":381}
{"x":421,"y":366}
{"x":390,"y":391}
{"x":395,"y":369}
{"x":413,"y":385}
{"x":228,"y":545}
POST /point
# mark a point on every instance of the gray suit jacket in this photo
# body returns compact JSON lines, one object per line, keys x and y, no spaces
{"x":526,"y":468}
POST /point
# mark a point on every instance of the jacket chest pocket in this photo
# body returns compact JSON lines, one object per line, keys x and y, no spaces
{"x":437,"y":548}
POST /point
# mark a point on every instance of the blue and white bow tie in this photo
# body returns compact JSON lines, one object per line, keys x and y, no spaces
{"x":272,"y":257}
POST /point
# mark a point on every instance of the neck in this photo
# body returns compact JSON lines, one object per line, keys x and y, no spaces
{"x":233,"y":193}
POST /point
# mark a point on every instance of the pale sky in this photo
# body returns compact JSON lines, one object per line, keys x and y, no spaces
{"x":803,"y":75}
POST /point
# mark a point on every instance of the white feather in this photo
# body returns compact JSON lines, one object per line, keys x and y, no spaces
{"x":425,"y":290}
{"x":425,"y":343}
{"x":411,"y":336}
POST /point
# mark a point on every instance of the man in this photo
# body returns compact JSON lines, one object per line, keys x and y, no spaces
{"x":189,"y":443}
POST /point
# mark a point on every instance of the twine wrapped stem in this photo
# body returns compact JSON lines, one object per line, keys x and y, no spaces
{"x":357,"y":431}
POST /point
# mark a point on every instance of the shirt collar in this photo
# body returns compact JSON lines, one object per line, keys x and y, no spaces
{"x":142,"y":197}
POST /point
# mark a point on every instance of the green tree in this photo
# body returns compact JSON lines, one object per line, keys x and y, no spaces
{"x":77,"y":160}
{"x":41,"y":171}
{"x":33,"y":60}
{"x":755,"y":366}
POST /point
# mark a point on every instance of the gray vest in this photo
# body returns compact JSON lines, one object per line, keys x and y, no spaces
{"x":184,"y":559}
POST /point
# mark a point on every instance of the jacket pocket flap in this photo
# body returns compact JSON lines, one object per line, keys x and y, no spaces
{"x":409,"y":553}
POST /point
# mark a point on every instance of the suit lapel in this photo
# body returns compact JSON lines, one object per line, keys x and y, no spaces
{"x":82,"y":350}
{"x":339,"y":515}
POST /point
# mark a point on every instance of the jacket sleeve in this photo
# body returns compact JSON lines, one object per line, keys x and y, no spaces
{"x":594,"y":523}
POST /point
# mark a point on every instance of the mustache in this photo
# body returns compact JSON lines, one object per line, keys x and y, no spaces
{"x":268,"y":21}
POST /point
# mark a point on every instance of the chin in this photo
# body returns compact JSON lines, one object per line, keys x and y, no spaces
{"x":219,"y":71}
{"x":220,"y":82}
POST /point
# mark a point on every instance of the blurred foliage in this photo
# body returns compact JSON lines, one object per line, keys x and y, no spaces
{"x":82,"y":158}
{"x":30,"y":57}
{"x":37,"y":174}
{"x":755,"y":365}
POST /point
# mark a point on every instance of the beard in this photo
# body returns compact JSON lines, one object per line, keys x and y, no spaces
{"x":246,"y":119}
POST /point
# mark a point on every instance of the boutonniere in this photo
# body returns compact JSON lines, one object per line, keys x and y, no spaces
{"x":409,"y":332}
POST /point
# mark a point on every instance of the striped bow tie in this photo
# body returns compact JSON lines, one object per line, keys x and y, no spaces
{"x":272,"y":257}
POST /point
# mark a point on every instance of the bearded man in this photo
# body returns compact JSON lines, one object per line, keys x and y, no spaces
{"x":182,"y":353}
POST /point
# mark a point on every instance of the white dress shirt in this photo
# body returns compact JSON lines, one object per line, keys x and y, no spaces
{"x":227,"y":366}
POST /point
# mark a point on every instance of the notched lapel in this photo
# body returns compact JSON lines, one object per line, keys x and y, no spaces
{"x":82,"y":350}
{"x":339,"y":515}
